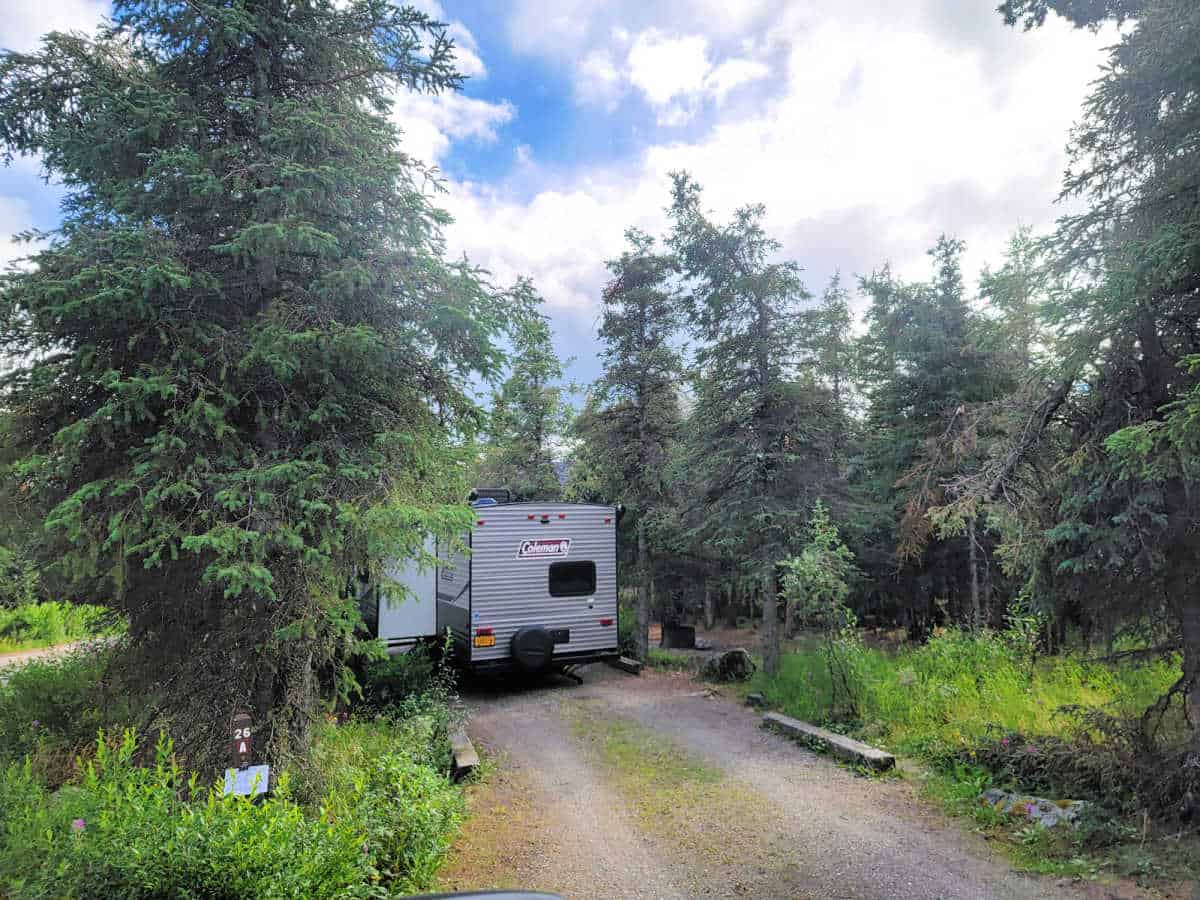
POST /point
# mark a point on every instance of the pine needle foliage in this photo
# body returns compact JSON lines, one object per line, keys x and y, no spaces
{"x":241,"y":356}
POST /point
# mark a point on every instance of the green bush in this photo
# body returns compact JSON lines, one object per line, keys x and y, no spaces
{"x":387,"y":776}
{"x":43,"y":624}
{"x":626,"y":621}
{"x":128,"y":831}
{"x":391,"y":680}
{"x":50,"y":710}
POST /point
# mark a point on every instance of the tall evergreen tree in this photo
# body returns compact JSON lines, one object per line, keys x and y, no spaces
{"x":530,"y":416}
{"x":1124,"y":544}
{"x":922,"y":369}
{"x":751,"y":451}
{"x":832,"y":343}
{"x":638,"y":393}
{"x":241,"y":355}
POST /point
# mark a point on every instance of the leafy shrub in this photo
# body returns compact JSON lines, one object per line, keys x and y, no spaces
{"x":387,"y":775}
{"x":128,"y":831}
{"x":391,"y":680}
{"x":50,"y":710}
{"x":1103,"y":759}
{"x":626,"y":623}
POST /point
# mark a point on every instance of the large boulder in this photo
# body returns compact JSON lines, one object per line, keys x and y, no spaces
{"x":732,"y":665}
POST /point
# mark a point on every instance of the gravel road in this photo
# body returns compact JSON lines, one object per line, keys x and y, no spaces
{"x":779,"y":821}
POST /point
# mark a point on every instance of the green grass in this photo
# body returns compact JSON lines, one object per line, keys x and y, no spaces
{"x":939,"y":698}
{"x":938,"y":701}
{"x":35,"y":625}
{"x":668,"y":661}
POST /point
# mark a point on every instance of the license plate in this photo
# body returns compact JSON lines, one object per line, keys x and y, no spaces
{"x":485,"y":640}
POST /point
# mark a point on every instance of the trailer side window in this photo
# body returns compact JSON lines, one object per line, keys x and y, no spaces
{"x":572,"y":579}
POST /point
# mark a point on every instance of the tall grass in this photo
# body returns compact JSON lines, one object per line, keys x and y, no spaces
{"x":34,"y":625}
{"x":938,"y":698}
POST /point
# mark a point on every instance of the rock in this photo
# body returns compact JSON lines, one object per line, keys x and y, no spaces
{"x":758,"y":701}
{"x":1047,"y":813}
{"x":732,"y":665}
{"x":465,"y":757}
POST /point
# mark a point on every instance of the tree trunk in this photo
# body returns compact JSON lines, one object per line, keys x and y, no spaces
{"x":641,"y":628}
{"x":973,"y":564}
{"x":731,"y":605}
{"x":1189,"y":615}
{"x":710,"y":606}
{"x":770,"y":624}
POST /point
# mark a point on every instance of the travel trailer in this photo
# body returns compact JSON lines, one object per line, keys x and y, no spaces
{"x":533,"y":588}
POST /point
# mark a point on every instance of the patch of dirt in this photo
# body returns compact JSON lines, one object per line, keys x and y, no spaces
{"x":503,"y":836}
{"x":775,"y":820}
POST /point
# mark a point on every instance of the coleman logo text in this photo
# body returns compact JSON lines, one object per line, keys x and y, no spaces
{"x":544,"y":547}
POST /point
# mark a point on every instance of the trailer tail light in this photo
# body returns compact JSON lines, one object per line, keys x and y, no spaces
{"x":608,"y":520}
{"x":562,"y":515}
{"x":530,"y":517}
{"x":606,"y":622}
{"x":479,"y":521}
{"x":485,"y":637}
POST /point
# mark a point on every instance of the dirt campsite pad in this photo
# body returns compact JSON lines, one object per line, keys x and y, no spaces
{"x":655,"y":787}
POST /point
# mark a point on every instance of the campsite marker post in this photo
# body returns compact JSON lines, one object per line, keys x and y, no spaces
{"x":243,"y":778}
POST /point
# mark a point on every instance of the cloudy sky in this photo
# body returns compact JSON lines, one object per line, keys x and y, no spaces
{"x":867,"y":128}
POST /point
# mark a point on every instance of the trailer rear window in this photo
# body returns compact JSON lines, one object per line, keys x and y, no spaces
{"x":572,"y":579}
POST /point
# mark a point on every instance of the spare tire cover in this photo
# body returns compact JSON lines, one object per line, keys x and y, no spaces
{"x":532,"y":648}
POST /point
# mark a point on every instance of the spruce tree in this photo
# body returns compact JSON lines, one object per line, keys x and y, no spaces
{"x":638,"y":394}
{"x":752,"y":452}
{"x":242,"y":353}
{"x":529,"y":413}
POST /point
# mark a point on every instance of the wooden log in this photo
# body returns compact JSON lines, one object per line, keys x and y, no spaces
{"x":839,"y":745}
{"x":625,"y":664}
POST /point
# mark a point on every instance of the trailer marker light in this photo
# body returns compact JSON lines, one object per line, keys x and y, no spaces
{"x":530,"y":517}
{"x":606,"y":622}
{"x":484,"y":637}
{"x":479,"y":522}
{"x":562,"y":515}
{"x":484,"y":631}
{"x":608,"y":520}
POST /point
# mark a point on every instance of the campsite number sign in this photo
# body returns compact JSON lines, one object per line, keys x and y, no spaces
{"x":241,"y":740}
{"x":242,"y":778}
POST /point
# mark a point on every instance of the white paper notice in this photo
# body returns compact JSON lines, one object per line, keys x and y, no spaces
{"x":248,"y":782}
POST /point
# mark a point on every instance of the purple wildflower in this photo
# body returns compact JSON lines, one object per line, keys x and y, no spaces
{"x":364,"y":848}
{"x":1031,"y":749}
{"x":1004,"y":743}
{"x":79,"y":824}
{"x":35,"y":724}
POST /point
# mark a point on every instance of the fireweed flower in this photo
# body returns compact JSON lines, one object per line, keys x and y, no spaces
{"x":79,"y":824}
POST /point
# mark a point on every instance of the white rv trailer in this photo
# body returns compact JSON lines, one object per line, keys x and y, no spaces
{"x":536,"y":589}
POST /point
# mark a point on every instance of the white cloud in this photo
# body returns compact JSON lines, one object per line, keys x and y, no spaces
{"x":24,"y":22}
{"x":667,"y":67}
{"x":674,"y":73}
{"x":881,"y":132}
{"x":734,"y":73}
{"x":430,"y":122}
